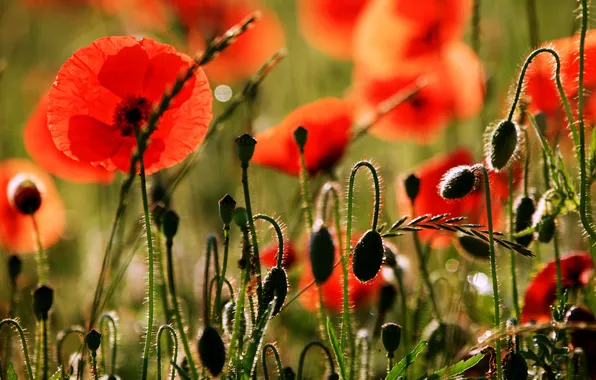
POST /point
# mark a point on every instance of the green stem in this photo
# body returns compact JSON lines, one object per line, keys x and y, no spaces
{"x":306,"y":204}
{"x":161,"y":283}
{"x":44,"y":332}
{"x":61,"y":338}
{"x":221,"y":279}
{"x":305,"y":351}
{"x":476,"y":27}
{"x":21,"y":333}
{"x":426,"y":275}
{"x":38,"y":349}
{"x":113,"y":338}
{"x":42,"y":258}
{"x":389,"y":363}
{"x":558,"y":265}
{"x":278,"y":233}
{"x":512,"y":253}
{"x":532,"y":22}
{"x":94,"y":373}
{"x":280,"y":368}
{"x":174,"y":338}
{"x":211,"y":250}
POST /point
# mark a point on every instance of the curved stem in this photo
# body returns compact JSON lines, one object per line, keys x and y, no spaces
{"x":305,"y":351}
{"x":174,"y":338}
{"x":377,"y":206}
{"x":512,"y":253}
{"x":278,"y":233}
{"x":211,"y":250}
{"x":526,"y":162}
{"x":16,"y":324}
{"x":222,"y":278}
{"x":109,"y":319}
{"x":161,"y":282}
{"x":61,"y":338}
{"x":280,"y":367}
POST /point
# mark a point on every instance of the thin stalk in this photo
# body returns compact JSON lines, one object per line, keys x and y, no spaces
{"x":426,"y":275}
{"x":44,"y":332}
{"x":404,"y":306}
{"x":113,"y":339}
{"x":476,"y":27}
{"x":42,"y":258}
{"x":558,"y":265}
{"x":21,"y":333}
{"x":161,"y":283}
{"x":94,"y":372}
{"x":305,"y":351}
{"x":174,"y":338}
{"x":211,"y":250}
{"x":532,"y":22}
{"x":526,"y":163}
{"x":512,"y":253}
{"x":389,"y":363}
{"x":38,"y":349}
{"x":221,"y":279}
{"x":280,"y":368}
{"x":61,"y":338}
{"x":304,"y":191}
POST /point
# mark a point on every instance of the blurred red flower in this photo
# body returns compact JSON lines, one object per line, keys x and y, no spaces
{"x":576,"y":270}
{"x":454,"y":90}
{"x":145,"y":14}
{"x":41,"y":147}
{"x":206,"y":19}
{"x":106,"y":88}
{"x":328,"y":122}
{"x":269,"y":255}
{"x":17,"y":234}
{"x":328,"y":26}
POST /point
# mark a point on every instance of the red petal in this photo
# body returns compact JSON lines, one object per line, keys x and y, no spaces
{"x":88,"y":140}
{"x":124,"y":73}
{"x":163,"y":71}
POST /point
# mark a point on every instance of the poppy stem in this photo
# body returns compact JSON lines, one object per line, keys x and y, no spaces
{"x":278,"y":233}
{"x":161,"y":278}
{"x":558,"y":265}
{"x":271,"y":347}
{"x":532,"y":22}
{"x":377,"y":205}
{"x":306,"y":206}
{"x":526,"y":162}
{"x":174,"y":338}
{"x":62,"y":335}
{"x":476,"y":27}
{"x":512,"y":253}
{"x":222,"y":277}
{"x":15,"y":324}
{"x":211,"y":250}
{"x":109,"y":319}
{"x":93,"y":359}
{"x":42,"y":257}
{"x":303,"y":357}
{"x":44,"y":338}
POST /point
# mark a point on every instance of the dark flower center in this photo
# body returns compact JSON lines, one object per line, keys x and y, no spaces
{"x":131,"y":113}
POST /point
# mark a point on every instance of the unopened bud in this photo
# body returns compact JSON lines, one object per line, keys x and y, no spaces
{"x":171,"y":220}
{"x":241,"y":217}
{"x":390,"y":337}
{"x":524,"y":210}
{"x":43,"y":298}
{"x":212,"y":351}
{"x":503,"y":142}
{"x":300,"y":136}
{"x":368,"y":256}
{"x":245,"y":145}
{"x":15,"y":266}
{"x":458,"y":182}
{"x":322,"y":253}
{"x":24,"y":194}
{"x":227,"y":204}
{"x":276,"y":285}
{"x":412,"y":185}
{"x":93,"y":340}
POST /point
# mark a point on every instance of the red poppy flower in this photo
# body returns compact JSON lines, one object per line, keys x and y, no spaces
{"x":17,"y":234}
{"x":330,"y":27}
{"x":394,"y":37}
{"x":136,"y":13}
{"x":576,"y":270}
{"x":328,"y":121}
{"x":207,"y":19}
{"x":41,"y":147}
{"x":454,"y":90}
{"x":269,"y":255}
{"x":104,"y":89}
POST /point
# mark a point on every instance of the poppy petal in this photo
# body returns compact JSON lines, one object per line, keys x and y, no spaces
{"x":124,"y":72}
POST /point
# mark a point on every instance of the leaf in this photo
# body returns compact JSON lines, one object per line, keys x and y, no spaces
{"x":249,"y":361}
{"x":400,"y":368}
{"x":336,"y":350}
{"x":398,"y":224}
{"x":11,"y":373}
{"x":458,"y":368}
{"x":57,"y":375}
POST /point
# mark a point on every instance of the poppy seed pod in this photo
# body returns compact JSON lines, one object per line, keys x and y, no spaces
{"x":503,"y":143}
{"x":458,"y":182}
{"x":276,"y":285}
{"x":473,"y":248}
{"x":322,"y":253}
{"x":412,"y":185}
{"x":170,"y":222}
{"x":300,"y":136}
{"x":387,"y":297}
{"x":212,"y":351}
{"x":368,"y":256}
{"x":93,"y":340}
{"x":390,"y":337}
{"x":515,"y":367}
{"x":227,"y":204}
{"x":43,"y":298}
{"x":524,"y":210}
{"x":24,"y":194}
{"x":15,"y":266}
{"x":245,"y":145}
{"x":241,"y":217}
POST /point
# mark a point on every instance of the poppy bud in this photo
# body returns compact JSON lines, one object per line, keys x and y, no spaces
{"x":15,"y":265}
{"x":412,"y":185}
{"x":288,"y":374}
{"x":159,"y":192}
{"x":300,"y":136}
{"x":276,"y":285}
{"x":322,"y":253}
{"x":458,"y":182}
{"x":93,"y":340}
{"x":502,"y":144}
{"x":579,"y":338}
{"x":515,"y":367}
{"x":227,"y":204}
{"x":333,"y":376}
{"x":390,"y":337}
{"x":524,"y":210}
{"x":229,"y":314}
{"x":245,"y":145}
{"x":212,"y":351}
{"x":241,"y":217}
{"x":170,"y":224}
{"x":157,"y":211}
{"x":543,"y":219}
{"x":368,"y":256}
{"x":24,"y":194}
{"x":473,"y":248}
{"x":43,"y":298}
{"x":546,"y":230}
{"x":387,"y":297}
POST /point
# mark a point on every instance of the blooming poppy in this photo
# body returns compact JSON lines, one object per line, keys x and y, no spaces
{"x":206,"y":19}
{"x":330,"y":27}
{"x":17,"y":233}
{"x":454,"y":90}
{"x":107,"y":88}
{"x":328,"y":122}
{"x":269,"y":255}
{"x":576,"y":270}
{"x":41,"y":147}
{"x":398,"y":36}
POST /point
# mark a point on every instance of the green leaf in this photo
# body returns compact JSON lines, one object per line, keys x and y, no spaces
{"x":249,"y":361}
{"x":336,"y":350}
{"x":57,"y":375}
{"x":400,"y":368}
{"x":11,"y":373}
{"x":458,"y":368}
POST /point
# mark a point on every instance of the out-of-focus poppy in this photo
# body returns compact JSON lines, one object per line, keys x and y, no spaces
{"x":108,"y":87}
{"x":576,"y":270}
{"x":17,"y":233}
{"x":394,"y":37}
{"x":454,"y":90}
{"x":41,"y":147}
{"x":136,"y":13}
{"x":269,"y":255}
{"x":328,"y":26}
{"x":328,"y":122}
{"x":206,"y":19}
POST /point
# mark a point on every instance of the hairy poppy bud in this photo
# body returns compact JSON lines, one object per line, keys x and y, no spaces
{"x":241,"y":217}
{"x":212,"y":351}
{"x":387,"y":297}
{"x":227,"y":204}
{"x":170,"y":224}
{"x":157,"y":211}
{"x":322,"y":253}
{"x":93,"y":340}
{"x":24,"y":194}
{"x":473,"y":248}
{"x":458,"y":182}
{"x":229,"y":315}
{"x":390,"y":337}
{"x":515,"y":367}
{"x":543,"y":219}
{"x":300,"y":136}
{"x":15,"y":265}
{"x":288,"y":374}
{"x":245,"y":147}
{"x":276,"y":285}
{"x":412,"y":185}
{"x":524,"y":210}
{"x":333,"y":376}
{"x":43,"y":298}
{"x":368,"y":256}
{"x":502,"y":144}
